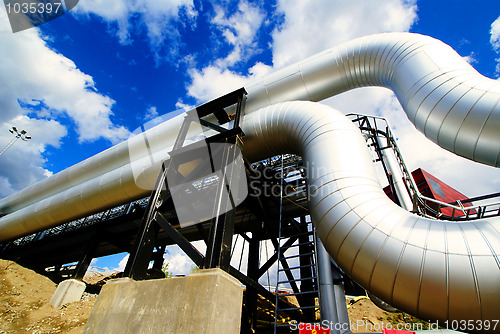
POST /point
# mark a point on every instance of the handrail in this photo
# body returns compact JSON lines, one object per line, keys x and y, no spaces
{"x":480,"y":210}
{"x":460,"y":212}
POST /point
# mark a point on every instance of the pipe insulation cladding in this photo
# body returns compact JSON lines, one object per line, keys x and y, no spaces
{"x":449,"y":101}
{"x":435,"y":270}
{"x":442,"y":95}
{"x":431,"y":269}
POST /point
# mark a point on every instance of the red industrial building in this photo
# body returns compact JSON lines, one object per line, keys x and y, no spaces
{"x":430,"y":186}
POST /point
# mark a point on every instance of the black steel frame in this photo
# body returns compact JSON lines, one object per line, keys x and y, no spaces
{"x":222,"y":227}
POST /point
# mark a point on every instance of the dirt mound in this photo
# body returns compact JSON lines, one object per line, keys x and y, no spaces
{"x":25,"y":307}
{"x":95,"y":281}
{"x":366,"y":317}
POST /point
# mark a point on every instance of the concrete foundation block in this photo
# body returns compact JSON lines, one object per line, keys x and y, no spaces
{"x":70,"y":290}
{"x":208,"y":301}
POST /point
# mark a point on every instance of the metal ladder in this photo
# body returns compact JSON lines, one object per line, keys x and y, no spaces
{"x":296,"y":275}
{"x":373,"y":127}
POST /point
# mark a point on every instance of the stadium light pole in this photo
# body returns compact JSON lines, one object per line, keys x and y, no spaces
{"x":17,"y":135}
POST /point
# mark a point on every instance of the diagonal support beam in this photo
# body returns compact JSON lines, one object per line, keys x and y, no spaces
{"x":265,"y":267}
{"x":182,"y":242}
{"x":264,"y":292}
{"x":286,"y":269}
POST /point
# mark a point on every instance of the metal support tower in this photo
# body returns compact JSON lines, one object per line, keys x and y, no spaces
{"x":222,"y":225}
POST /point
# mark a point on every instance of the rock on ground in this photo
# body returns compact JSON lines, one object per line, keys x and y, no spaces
{"x":25,"y":307}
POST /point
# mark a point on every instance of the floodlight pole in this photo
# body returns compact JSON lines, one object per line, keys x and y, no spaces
{"x":17,"y":135}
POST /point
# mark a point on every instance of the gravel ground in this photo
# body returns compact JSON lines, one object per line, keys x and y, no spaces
{"x":25,"y":307}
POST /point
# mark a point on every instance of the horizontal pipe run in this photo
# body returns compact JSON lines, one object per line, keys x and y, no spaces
{"x":442,"y":95}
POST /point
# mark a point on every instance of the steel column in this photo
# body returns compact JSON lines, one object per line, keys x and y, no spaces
{"x":326,"y":288}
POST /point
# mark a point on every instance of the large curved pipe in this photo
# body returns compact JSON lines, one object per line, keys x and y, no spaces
{"x":432,"y":269}
{"x":442,"y":94}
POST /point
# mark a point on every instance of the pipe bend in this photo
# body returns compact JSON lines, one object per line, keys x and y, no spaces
{"x":442,"y":95}
{"x":432,"y":269}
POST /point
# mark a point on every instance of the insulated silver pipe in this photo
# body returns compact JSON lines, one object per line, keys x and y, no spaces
{"x":394,"y":169}
{"x":100,"y":182}
{"x":442,"y":94}
{"x":110,"y":160}
{"x":340,"y":299}
{"x":326,"y":291}
{"x":332,"y":295}
{"x":432,"y":269}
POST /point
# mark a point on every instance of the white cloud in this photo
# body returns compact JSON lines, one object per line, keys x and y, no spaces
{"x":313,"y":26}
{"x":213,"y":81}
{"x":151,"y":113}
{"x":184,"y":106}
{"x":123,"y":16}
{"x":471,"y":58}
{"x":123,"y":263}
{"x":495,"y":34}
{"x":495,"y":40}
{"x":308,"y":27}
{"x":33,"y":71}
{"x":178,"y":262}
{"x":39,"y":86}
{"x":239,"y":29}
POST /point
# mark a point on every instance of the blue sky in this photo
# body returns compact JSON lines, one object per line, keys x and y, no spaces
{"x":84,"y":81}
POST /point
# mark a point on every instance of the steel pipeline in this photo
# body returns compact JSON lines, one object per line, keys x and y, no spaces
{"x":443,"y":95}
{"x":432,"y":269}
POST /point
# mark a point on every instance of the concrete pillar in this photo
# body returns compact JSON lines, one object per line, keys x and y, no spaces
{"x":208,"y":301}
{"x":70,"y":290}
